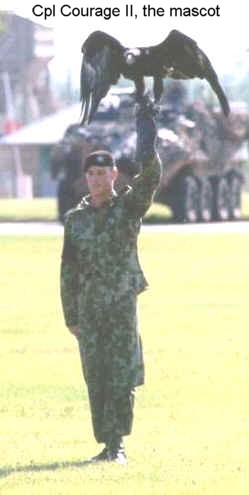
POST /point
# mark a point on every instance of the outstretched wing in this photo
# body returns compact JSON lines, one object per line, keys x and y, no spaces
{"x":100,"y":68}
{"x":186,"y":60}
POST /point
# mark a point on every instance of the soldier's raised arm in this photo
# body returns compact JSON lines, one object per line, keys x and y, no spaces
{"x":139,"y":198}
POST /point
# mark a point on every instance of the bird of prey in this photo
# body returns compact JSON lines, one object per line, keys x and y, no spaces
{"x":105,"y":59}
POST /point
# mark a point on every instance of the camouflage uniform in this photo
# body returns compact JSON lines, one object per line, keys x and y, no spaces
{"x":100,"y":279}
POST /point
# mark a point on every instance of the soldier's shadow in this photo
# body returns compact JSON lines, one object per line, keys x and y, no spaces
{"x":6,"y":471}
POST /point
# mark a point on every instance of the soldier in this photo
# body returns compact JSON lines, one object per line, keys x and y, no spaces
{"x":100,"y":280}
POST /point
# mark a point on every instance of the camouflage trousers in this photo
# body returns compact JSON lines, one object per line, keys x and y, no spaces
{"x":112,"y":360}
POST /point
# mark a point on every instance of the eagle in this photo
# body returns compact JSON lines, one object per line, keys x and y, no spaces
{"x":105,"y":59}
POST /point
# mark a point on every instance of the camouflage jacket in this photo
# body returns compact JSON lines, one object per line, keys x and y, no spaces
{"x":100,"y":245}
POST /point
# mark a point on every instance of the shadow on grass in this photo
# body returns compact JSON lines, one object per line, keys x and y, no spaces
{"x":33,"y":468}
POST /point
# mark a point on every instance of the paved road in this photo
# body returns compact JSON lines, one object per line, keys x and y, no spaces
{"x":53,"y":228}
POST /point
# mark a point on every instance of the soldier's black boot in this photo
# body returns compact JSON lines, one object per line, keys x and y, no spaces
{"x":116,"y":450}
{"x":102,"y":456}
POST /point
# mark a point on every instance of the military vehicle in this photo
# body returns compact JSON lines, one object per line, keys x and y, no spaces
{"x":203,"y":154}
{"x":113,"y":129}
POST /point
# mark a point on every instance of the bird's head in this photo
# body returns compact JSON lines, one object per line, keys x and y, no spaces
{"x":131,"y":55}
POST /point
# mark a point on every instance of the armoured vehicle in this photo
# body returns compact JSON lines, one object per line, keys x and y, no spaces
{"x":203,"y":154}
{"x":113,"y":129}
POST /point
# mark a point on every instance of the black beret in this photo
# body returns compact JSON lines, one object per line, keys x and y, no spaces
{"x":99,"y":158}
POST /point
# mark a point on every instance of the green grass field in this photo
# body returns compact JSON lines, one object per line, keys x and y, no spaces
{"x":37,"y":209}
{"x":191,"y":427}
{"x":45,"y":209}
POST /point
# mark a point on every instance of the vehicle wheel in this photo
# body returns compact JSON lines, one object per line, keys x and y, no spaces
{"x":190,"y":200}
{"x":222,"y":200}
{"x":206,"y":201}
{"x":235,"y":197}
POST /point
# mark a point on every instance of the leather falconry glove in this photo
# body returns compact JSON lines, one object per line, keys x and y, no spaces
{"x":145,"y":112}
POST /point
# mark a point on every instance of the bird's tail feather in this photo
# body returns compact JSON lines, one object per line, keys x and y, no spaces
{"x":221,"y":96}
{"x":86,"y":110}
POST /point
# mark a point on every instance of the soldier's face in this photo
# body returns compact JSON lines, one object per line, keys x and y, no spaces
{"x":100,"y":180}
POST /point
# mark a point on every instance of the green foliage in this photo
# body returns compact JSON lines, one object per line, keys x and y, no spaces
{"x":2,"y":27}
{"x":190,"y":433}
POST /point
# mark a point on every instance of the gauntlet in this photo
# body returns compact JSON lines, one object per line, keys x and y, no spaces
{"x":146,"y":112}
